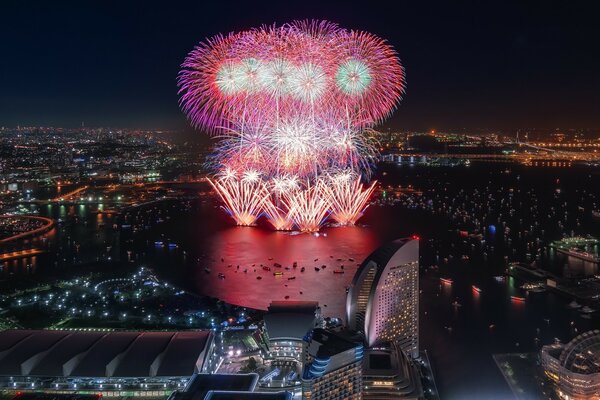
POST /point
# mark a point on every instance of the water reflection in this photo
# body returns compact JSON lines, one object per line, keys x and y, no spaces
{"x":250,"y":249}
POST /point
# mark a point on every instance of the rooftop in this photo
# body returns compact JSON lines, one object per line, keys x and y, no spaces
{"x":101,"y":354}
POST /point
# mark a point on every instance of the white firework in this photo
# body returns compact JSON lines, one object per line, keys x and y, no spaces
{"x":248,"y":72}
{"x":308,"y":82}
{"x":274,"y":77}
{"x":228,"y":79}
{"x":250,"y":176}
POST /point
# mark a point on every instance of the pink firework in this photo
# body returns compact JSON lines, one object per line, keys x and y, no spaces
{"x":308,"y":67}
{"x":288,"y":105}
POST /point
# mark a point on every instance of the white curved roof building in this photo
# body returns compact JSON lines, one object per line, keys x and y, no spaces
{"x":383,"y":298}
{"x":575,"y":367}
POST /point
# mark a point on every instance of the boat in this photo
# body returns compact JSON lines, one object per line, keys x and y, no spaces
{"x":476,"y":289}
{"x":286,"y":297}
{"x":517,"y":298}
{"x":338,"y":271}
{"x":266,"y":268}
{"x":574,"y":305}
{"x":534,"y":287}
{"x":259,"y":277}
{"x":455,"y":303}
{"x":446,"y":281}
{"x":302,"y":269}
{"x":587,"y":310}
{"x":207,"y":270}
{"x":291,"y":278}
{"x":317,"y":269}
{"x":277,"y":273}
{"x":277,"y":265}
{"x":580,"y":254}
{"x":221,"y":275}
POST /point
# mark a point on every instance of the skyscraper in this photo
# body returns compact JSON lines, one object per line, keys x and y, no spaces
{"x":333,"y":367}
{"x":383,"y":299}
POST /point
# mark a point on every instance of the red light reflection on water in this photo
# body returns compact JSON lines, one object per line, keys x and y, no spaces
{"x":344,"y":246}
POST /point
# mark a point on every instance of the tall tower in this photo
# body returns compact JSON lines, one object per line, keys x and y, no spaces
{"x":333,"y":367}
{"x":383,"y":299}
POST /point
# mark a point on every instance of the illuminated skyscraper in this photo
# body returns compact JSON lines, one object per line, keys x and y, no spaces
{"x":333,"y":367}
{"x":383,"y":299}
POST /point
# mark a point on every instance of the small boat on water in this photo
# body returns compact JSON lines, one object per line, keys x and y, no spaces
{"x":338,"y":271}
{"x":259,"y":277}
{"x":291,"y":278}
{"x":446,"y":281}
{"x":476,"y":289}
{"x":574,"y":305}
{"x":517,"y":298}
{"x":587,"y":310}
{"x":302,"y":269}
{"x":455,"y":303}
{"x":277,"y":273}
{"x":317,"y":269}
{"x":221,"y":275}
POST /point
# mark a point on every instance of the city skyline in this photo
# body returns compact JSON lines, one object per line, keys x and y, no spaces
{"x":470,"y":66}
{"x":308,"y":201}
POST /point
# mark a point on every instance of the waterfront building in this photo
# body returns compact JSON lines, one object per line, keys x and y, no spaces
{"x":148,"y":364}
{"x":333,"y":367}
{"x":383,"y":298}
{"x":389,"y":374}
{"x":287,"y":324}
{"x":574,"y":368}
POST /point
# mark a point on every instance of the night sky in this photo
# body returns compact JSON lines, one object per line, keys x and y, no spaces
{"x":483,"y":64}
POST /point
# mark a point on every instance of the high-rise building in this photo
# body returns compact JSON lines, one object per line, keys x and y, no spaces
{"x":383,"y":298}
{"x":388,"y":374}
{"x":288,"y":324}
{"x":333,"y":367}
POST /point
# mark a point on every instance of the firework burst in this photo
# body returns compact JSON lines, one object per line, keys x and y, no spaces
{"x":288,"y":105}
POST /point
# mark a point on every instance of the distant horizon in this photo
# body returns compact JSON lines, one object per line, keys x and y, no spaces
{"x":382,"y":129}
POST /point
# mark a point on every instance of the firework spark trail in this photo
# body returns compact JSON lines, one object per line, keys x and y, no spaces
{"x":279,"y":218}
{"x":243,"y":199}
{"x":348,"y":198}
{"x":308,"y":207}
